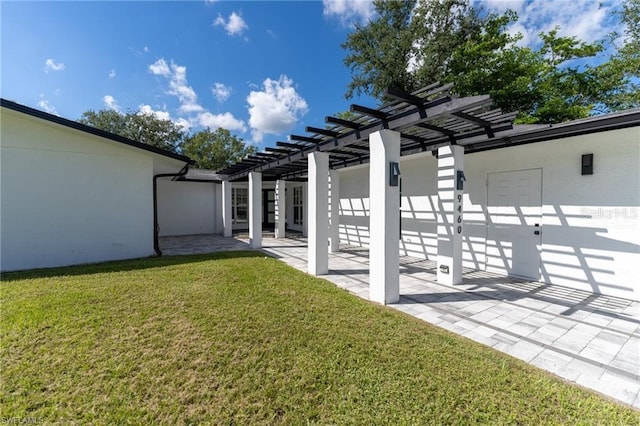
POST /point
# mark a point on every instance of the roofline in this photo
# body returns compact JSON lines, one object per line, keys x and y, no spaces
{"x":91,"y":130}
{"x":595,"y":124}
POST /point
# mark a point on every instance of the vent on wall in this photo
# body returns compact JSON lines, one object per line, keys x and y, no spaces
{"x":587,"y":164}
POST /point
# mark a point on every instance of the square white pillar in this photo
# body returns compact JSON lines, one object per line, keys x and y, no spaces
{"x":334,"y":212}
{"x":280,"y":207}
{"x":449,"y":215}
{"x":384,"y":218}
{"x":255,"y":210}
{"x":318,"y":188}
{"x":227,"y":220}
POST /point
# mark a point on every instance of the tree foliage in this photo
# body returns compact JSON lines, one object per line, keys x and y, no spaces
{"x":215,"y":150}
{"x":144,"y":128}
{"x":210,"y":149}
{"x":413,"y":43}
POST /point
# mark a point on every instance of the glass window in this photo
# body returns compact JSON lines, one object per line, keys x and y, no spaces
{"x":298,"y":205}
{"x":239,"y":205}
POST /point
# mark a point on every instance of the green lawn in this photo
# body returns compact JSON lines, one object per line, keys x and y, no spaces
{"x":237,"y":338}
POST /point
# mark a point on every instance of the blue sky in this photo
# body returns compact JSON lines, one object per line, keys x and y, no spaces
{"x":262,"y":69}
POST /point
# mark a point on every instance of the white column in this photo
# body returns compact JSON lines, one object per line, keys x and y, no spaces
{"x":318,"y":188}
{"x":280,"y":208}
{"x":334,"y":215}
{"x":255,"y":209}
{"x":384,"y":218}
{"x":449,"y":215}
{"x":227,"y":221}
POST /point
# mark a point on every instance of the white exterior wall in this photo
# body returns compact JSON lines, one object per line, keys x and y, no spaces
{"x":187,"y":208}
{"x":590,"y":224}
{"x":68,"y":197}
{"x":354,"y":206}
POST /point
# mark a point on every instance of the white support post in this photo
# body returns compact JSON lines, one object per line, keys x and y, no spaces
{"x":334,"y":216}
{"x":449,"y":215}
{"x":384,"y":218}
{"x":280,"y":207}
{"x":227,"y":221}
{"x":255,"y":210}
{"x":318,"y":251}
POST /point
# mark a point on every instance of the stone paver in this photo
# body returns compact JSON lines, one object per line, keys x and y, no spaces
{"x":588,"y":339}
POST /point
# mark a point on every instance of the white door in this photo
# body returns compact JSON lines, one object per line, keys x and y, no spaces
{"x":514,"y":207}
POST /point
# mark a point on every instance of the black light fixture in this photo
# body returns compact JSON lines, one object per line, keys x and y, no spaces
{"x":587,"y":164}
{"x":394,"y":173}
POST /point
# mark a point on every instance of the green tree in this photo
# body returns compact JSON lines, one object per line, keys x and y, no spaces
{"x":411,"y":44}
{"x":215,"y":150}
{"x":620,"y":76}
{"x":144,"y":128}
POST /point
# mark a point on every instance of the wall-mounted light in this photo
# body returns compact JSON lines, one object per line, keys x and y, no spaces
{"x":587,"y":164}
{"x":460,"y":179}
{"x":394,"y":173}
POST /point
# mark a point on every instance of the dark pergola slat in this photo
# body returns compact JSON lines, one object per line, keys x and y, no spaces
{"x":341,"y":122}
{"x":468,"y":117}
{"x":291,"y":145}
{"x":280,"y":150}
{"x":375,"y":113}
{"x":305,"y":139}
{"x":319,"y":131}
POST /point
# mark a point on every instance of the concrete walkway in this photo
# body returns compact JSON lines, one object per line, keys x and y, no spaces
{"x":584,"y":338}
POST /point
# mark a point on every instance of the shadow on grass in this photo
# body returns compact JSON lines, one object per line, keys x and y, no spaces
{"x":124,"y":265}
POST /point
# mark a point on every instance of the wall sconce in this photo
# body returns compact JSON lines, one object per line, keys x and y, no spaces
{"x":394,"y":173}
{"x":587,"y":164}
{"x":460,"y":179}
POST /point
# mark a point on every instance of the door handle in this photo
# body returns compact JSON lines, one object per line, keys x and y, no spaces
{"x":536,"y":232}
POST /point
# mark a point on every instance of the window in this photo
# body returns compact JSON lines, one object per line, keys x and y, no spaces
{"x":298,"y":205}
{"x":239,"y":205}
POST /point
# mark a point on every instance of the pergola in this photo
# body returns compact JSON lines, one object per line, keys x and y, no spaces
{"x":430,"y":119}
{"x":426,"y":120}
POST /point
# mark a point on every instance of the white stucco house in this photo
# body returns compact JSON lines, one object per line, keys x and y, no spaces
{"x":73,"y":194}
{"x":428,"y":175}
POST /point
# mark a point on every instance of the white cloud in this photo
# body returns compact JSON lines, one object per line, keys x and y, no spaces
{"x":587,"y":20}
{"x":178,"y":85}
{"x":145,"y":49}
{"x":112,"y":74}
{"x":221,"y":92}
{"x":349,"y":11}
{"x":234,"y":25}
{"x":225,"y":120}
{"x":160,"y":67}
{"x":276,"y":108}
{"x":110,"y":102}
{"x":51,"y":65}
{"x":46,"y":105}
{"x":148,"y":110}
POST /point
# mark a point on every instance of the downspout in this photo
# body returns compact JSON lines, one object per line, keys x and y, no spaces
{"x":156,"y":228}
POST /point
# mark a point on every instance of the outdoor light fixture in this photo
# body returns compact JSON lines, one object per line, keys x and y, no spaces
{"x":394,"y":173}
{"x":460,"y":180}
{"x":587,"y":164}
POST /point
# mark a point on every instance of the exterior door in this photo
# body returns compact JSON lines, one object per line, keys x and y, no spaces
{"x":268,"y":209}
{"x":514,"y":207}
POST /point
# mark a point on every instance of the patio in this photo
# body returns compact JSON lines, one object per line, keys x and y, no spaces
{"x":589,"y":339}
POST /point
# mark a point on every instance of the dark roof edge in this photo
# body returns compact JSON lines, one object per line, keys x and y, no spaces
{"x":603,"y":123}
{"x":92,"y":130}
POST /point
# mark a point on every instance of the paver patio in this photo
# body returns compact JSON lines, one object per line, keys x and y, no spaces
{"x":592,"y":340}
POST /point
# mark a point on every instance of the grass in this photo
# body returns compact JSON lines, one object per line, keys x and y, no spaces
{"x":237,"y":338}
